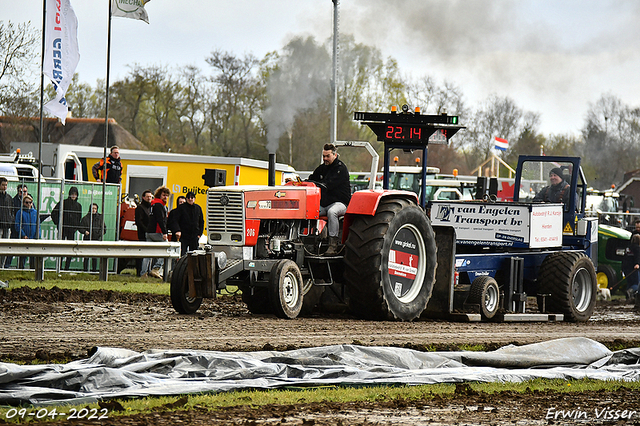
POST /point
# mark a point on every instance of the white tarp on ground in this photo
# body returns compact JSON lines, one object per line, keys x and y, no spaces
{"x":118,"y":373}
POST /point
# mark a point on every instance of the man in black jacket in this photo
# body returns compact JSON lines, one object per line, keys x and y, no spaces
{"x":190,"y":224}
{"x":71,"y":217}
{"x":142,"y":222}
{"x":557,"y":191}
{"x":172,"y":219}
{"x":333,"y":177}
{"x":93,"y":228}
{"x":114,"y":167}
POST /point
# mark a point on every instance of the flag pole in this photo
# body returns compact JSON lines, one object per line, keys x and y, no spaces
{"x":106,"y":114}
{"x":44,"y":26}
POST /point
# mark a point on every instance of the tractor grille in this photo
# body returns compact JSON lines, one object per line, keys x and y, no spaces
{"x":225,"y":217}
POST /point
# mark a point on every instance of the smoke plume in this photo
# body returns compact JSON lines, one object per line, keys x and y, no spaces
{"x":303,"y":76}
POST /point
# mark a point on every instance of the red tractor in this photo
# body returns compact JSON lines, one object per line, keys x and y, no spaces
{"x":491,"y":257}
{"x":268,"y":241}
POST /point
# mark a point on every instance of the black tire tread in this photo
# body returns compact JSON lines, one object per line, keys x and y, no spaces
{"x":555,"y":277}
{"x":363,"y":260}
{"x":178,"y":289}
{"x":477,"y":293}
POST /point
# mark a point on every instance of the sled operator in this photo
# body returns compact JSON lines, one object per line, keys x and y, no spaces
{"x":557,"y":191}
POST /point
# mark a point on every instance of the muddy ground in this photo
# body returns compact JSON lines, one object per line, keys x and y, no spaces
{"x":65,"y":324}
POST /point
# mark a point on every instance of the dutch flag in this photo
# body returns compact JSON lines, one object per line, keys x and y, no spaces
{"x":501,"y":144}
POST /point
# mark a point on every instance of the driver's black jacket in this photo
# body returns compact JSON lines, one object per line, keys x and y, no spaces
{"x":335,"y":178}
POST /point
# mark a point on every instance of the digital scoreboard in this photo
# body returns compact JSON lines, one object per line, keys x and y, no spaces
{"x":410,"y":128}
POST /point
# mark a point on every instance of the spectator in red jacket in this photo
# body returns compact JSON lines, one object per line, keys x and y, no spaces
{"x":157,"y":229}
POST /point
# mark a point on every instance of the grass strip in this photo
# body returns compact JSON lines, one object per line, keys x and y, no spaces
{"x":332,"y":394}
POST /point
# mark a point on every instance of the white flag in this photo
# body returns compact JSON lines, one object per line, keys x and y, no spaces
{"x":61,"y":53}
{"x":133,"y":9}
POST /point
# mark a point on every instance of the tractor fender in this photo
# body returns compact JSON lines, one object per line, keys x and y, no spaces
{"x":366,"y":203}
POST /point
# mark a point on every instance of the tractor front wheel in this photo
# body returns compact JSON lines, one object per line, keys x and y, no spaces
{"x":180,"y":299}
{"x":285,"y":288}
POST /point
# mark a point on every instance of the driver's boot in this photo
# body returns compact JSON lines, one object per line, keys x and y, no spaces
{"x":333,"y":247}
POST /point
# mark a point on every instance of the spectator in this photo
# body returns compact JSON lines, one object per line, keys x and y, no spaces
{"x":190,"y":223}
{"x":636,"y":227}
{"x":7,"y":215}
{"x":71,"y":216}
{"x":172,"y":219}
{"x":22,"y":191}
{"x":17,"y":200}
{"x":157,"y":228}
{"x":93,"y":228}
{"x":26,"y":226}
{"x":142,"y":222}
{"x":630,"y":266}
{"x":114,"y":167}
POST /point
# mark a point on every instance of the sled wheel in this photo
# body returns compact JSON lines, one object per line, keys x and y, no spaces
{"x":390,"y":262}
{"x":570,"y":279}
{"x":485,"y":292}
{"x":607,"y":276}
{"x":285,"y":289}
{"x":180,"y":299}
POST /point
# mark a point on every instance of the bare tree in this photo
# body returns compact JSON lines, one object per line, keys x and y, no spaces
{"x":612,"y":140}
{"x":17,"y":45}
{"x":234,"y":105}
{"x":432,"y":98}
{"x":128,"y":97}
{"x":193,"y":114}
{"x":496,"y":117}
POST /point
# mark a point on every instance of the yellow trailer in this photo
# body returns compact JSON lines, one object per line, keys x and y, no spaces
{"x":143,"y":170}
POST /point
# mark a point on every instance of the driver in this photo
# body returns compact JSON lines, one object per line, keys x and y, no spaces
{"x":333,"y":176}
{"x":557,"y":191}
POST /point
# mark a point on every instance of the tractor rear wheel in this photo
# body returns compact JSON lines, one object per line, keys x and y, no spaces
{"x":485,"y":292}
{"x":570,"y":280}
{"x":180,"y":299}
{"x":285,"y":289}
{"x":390,"y":262}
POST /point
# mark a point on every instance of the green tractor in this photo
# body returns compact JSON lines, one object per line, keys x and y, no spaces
{"x":612,"y":242}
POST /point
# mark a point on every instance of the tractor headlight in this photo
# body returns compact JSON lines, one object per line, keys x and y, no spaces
{"x":221,"y":259}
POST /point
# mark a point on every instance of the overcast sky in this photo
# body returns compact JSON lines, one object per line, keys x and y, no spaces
{"x":553,"y":57}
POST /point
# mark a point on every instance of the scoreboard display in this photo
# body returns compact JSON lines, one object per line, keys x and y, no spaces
{"x":410,"y":128}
